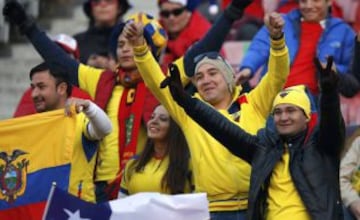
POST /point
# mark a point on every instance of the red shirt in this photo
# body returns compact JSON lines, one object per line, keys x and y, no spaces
{"x":303,"y":70}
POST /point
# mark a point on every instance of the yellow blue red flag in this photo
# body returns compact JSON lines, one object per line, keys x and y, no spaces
{"x":35,"y":151}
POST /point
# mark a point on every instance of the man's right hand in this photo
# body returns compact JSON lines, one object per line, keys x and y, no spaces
{"x":134,"y":32}
{"x":275,"y":24}
{"x":15,"y":12}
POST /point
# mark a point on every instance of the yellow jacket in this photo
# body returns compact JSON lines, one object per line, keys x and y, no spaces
{"x":223,"y":176}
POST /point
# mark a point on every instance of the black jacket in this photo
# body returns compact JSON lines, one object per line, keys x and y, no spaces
{"x":314,"y":157}
{"x":93,"y":41}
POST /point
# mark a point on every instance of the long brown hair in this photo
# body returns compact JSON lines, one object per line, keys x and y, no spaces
{"x":177,"y":173}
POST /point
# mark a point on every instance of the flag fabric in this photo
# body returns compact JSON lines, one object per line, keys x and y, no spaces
{"x":149,"y":206}
{"x":35,"y":151}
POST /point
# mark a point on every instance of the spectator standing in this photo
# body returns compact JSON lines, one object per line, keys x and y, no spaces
{"x":93,"y":43}
{"x":214,"y":80}
{"x":50,"y":90}
{"x":163,"y":165}
{"x":289,"y":156}
{"x":69,"y":44}
{"x":310,"y":32}
{"x":350,"y":181}
{"x":184,"y":26}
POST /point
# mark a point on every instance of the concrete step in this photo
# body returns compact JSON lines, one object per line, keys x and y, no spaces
{"x":14,"y":76}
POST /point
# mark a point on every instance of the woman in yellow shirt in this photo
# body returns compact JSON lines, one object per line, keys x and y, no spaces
{"x":163,"y":166}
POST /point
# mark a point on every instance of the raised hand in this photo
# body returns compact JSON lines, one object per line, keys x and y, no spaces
{"x":275,"y":24}
{"x":328,"y":77}
{"x":16,"y":14}
{"x":176,"y":89}
{"x":134,"y":32}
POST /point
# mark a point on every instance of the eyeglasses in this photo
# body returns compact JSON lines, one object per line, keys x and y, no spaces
{"x":175,"y":12}
{"x":98,"y":2}
{"x":211,"y":55}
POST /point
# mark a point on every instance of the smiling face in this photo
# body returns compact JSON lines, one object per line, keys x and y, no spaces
{"x":211,"y":85}
{"x":46,"y":93}
{"x":158,"y":125}
{"x":314,"y":10}
{"x":174,"y":21}
{"x":289,"y":119}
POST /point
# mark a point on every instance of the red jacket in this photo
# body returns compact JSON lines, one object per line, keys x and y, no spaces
{"x":194,"y":31}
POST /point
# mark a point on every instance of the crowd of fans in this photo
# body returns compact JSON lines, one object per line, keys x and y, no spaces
{"x":127,"y":75}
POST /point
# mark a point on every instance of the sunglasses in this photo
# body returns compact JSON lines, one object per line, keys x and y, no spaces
{"x":98,"y":2}
{"x":211,"y":55}
{"x":175,"y":12}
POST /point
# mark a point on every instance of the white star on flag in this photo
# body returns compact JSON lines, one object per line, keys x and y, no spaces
{"x":75,"y":215}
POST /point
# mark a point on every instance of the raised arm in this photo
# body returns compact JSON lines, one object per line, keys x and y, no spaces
{"x":222,"y":129}
{"x":332,"y":128}
{"x":49,"y":51}
{"x":215,"y":37}
{"x":278,"y":67}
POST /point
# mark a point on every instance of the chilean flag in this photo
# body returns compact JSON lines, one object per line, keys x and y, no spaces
{"x":150,"y":206}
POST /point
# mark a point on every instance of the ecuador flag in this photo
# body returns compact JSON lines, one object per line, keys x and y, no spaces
{"x":35,"y":151}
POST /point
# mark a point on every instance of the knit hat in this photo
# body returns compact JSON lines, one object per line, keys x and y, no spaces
{"x":294,"y":95}
{"x":154,"y":34}
{"x":215,"y":59}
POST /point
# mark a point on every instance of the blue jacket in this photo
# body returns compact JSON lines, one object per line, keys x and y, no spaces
{"x":337,"y":40}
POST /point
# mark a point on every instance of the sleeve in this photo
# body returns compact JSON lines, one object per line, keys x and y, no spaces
{"x":153,"y":76}
{"x":331,"y":124}
{"x":212,"y":41}
{"x":272,"y":83}
{"x":348,"y":166}
{"x":99,"y":123}
{"x":257,"y":54}
{"x":88,"y":79}
{"x":349,"y":84}
{"x":343,"y":64}
{"x":355,"y":60}
{"x":224,"y":130}
{"x":53,"y":54}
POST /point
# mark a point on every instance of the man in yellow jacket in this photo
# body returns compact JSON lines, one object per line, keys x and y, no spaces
{"x":216,"y":171}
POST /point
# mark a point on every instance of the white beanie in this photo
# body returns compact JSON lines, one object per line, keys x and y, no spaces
{"x":223,"y":66}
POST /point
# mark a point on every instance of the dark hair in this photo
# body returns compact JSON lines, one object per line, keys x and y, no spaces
{"x":177,"y":173}
{"x":58,"y":73}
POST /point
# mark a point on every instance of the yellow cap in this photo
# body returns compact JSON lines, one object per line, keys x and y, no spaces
{"x":294,"y":95}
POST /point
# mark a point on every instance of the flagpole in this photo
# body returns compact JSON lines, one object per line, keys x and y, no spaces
{"x":51,"y":193}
